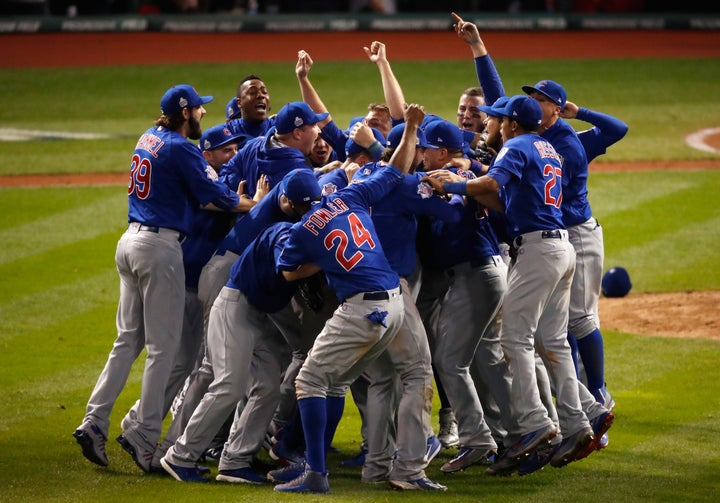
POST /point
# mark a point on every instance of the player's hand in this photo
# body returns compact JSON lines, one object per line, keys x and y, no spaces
{"x":303,"y":65}
{"x":331,"y":166}
{"x":468,"y":32}
{"x":350,"y":169}
{"x":414,"y":114}
{"x":460,"y":163}
{"x":376,"y":52}
{"x":262,"y":188}
{"x":245,"y":202}
{"x":362,"y":134}
{"x":569,"y":111}
{"x":435,"y":183}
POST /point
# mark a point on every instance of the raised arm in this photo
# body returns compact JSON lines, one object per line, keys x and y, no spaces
{"x":607,"y":129}
{"x":405,"y":152}
{"x":309,"y":95}
{"x":487,"y":74}
{"x":392,"y":91}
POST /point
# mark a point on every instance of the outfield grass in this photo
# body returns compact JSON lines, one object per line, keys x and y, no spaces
{"x":58,"y":285}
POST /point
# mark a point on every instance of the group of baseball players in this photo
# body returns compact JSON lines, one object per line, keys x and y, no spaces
{"x":284,"y":260}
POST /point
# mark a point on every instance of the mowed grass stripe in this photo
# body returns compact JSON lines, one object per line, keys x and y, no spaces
{"x":80,"y":217}
{"x":22,"y":315}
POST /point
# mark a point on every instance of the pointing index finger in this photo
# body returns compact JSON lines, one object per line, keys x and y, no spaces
{"x":457,"y":18}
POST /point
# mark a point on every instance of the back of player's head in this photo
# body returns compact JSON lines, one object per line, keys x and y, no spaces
{"x":301,"y":186}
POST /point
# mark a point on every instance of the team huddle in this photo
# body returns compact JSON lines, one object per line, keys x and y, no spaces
{"x":284,"y":261}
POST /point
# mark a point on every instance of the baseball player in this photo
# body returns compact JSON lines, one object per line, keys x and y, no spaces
{"x":337,"y":236}
{"x":535,"y":310}
{"x":467,"y":255}
{"x":253,"y":104}
{"x":585,"y":232}
{"x":167,"y":179}
{"x":243,"y":314}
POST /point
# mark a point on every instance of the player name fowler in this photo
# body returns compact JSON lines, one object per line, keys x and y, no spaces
{"x":322,"y":216}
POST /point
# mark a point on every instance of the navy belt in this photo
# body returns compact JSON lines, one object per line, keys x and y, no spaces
{"x":552,"y":234}
{"x":378,"y":295}
{"x":156,"y":230}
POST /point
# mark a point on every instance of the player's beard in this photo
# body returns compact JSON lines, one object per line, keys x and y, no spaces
{"x":195,"y":128}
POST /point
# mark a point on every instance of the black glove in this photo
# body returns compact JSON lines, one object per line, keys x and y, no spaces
{"x":310,"y":290}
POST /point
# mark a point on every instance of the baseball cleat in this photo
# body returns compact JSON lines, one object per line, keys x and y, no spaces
{"x":572,"y":446}
{"x":308,"y":482}
{"x":531,"y":441}
{"x":433,"y":448}
{"x":448,"y":433}
{"x":183,"y":473}
{"x":421,"y":484}
{"x":600,"y":426}
{"x":241,"y":476}
{"x":288,"y":473}
{"x":467,"y":457}
{"x":92,"y":441}
{"x":142,"y":457}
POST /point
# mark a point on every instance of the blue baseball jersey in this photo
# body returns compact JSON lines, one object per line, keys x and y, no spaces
{"x":395,"y":216}
{"x":249,"y":225}
{"x":576,"y":207}
{"x":606,"y":130}
{"x":450,"y":243}
{"x":167,"y":177}
{"x":338,"y":235}
{"x":255,"y":273}
{"x":249,"y":129}
{"x":530,"y":172}
{"x":207,"y":229}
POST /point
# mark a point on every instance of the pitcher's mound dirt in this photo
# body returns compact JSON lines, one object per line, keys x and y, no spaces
{"x":676,"y":314}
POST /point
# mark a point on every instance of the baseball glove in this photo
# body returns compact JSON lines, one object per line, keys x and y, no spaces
{"x":310,"y":290}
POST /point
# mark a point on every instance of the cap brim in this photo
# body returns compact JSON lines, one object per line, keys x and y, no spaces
{"x":489,"y":110}
{"x":321,"y":117}
{"x":530,"y":89}
{"x":206,"y":99}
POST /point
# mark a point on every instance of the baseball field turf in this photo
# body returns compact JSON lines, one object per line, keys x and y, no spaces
{"x":59,"y":288}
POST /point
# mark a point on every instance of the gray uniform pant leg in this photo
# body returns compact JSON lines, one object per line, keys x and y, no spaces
{"x":469,"y":307}
{"x":407,"y":356}
{"x":534,"y":317}
{"x":587,"y":239}
{"x":251,"y":421}
{"x":152,"y":295}
{"x":233,"y":330}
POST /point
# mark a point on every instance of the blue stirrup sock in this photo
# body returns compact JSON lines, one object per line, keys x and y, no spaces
{"x":314,"y":419}
{"x":592,"y":354}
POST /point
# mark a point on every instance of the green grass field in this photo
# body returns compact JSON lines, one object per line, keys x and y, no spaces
{"x":58,"y":285}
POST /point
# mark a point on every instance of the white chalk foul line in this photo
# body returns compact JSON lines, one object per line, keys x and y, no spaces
{"x":14,"y":134}
{"x":698,"y":139}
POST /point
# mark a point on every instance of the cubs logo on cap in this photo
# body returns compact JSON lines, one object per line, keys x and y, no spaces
{"x":295,"y":115}
{"x":181,"y":96}
{"x":217,"y":136}
{"x":442,"y":133}
{"x":551,"y":89}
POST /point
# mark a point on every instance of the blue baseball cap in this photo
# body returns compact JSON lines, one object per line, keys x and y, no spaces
{"x":442,"y":133}
{"x":217,"y":136}
{"x":352,"y":149}
{"x":494,"y":110}
{"x":180,"y":96}
{"x":296,"y":114}
{"x":232,"y":110}
{"x":301,"y":185}
{"x":616,"y":282}
{"x":523,"y":109}
{"x":395,"y":135}
{"x":551,"y":89}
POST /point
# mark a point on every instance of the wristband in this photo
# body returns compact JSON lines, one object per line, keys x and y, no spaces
{"x":376,"y":150}
{"x":455,"y":188}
